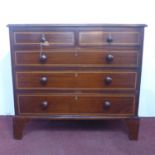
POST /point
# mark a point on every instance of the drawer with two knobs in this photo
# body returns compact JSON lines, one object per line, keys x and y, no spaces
{"x":78,"y":57}
{"x":45,"y":104}
{"x":76,"y":80}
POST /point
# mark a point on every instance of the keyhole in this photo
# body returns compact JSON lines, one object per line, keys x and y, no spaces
{"x":76,"y":98}
{"x":76,"y":74}
{"x":76,"y":54}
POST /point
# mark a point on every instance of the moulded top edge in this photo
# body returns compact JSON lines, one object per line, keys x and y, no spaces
{"x":75,"y":25}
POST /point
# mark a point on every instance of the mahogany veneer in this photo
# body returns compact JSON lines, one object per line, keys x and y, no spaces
{"x":76,"y":72}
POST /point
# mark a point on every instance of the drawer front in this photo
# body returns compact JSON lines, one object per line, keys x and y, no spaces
{"x":55,"y":38}
{"x":74,"y":58}
{"x":76,"y":104}
{"x":45,"y":104}
{"x":100,"y":38}
{"x":76,"y":80}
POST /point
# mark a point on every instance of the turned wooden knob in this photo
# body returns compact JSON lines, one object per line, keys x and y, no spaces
{"x":106,"y":105}
{"x":109,"y":58}
{"x":108,"y":80}
{"x":43,"y":58}
{"x":43,"y":80}
{"x":44,"y":105}
{"x":43,"y":39}
{"x":109,"y":39}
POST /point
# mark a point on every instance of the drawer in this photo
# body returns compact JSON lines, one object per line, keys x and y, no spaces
{"x":76,"y":104}
{"x":81,"y":57}
{"x":54,"y":38}
{"x":100,"y":38}
{"x":76,"y":80}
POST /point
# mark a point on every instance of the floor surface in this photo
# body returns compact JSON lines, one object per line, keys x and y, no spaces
{"x":77,"y":138}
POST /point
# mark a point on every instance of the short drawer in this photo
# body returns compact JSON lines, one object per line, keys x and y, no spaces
{"x":76,"y":80}
{"x":76,"y":104}
{"x":53,"y":38}
{"x":82,"y":58}
{"x":100,"y":38}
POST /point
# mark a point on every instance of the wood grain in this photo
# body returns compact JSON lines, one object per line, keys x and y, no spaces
{"x":76,"y":80}
{"x":89,"y":71}
{"x":75,"y":104}
{"x":78,"y":57}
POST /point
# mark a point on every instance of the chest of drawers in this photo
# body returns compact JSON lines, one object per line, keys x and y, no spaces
{"x":76,"y":72}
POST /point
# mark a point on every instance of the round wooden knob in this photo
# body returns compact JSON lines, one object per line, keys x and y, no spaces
{"x":106,"y":105}
{"x":43,"y":58}
{"x":44,"y":105}
{"x":109,"y":39}
{"x":109,"y":58}
{"x":43,"y":39}
{"x":43,"y":80}
{"x":108,"y":80}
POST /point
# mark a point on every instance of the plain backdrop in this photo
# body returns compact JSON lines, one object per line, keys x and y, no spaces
{"x":79,"y":11}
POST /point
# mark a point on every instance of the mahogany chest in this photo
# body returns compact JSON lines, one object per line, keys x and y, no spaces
{"x":79,"y":72}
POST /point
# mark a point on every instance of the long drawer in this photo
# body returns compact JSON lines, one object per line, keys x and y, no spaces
{"x":78,"y":57}
{"x":76,"y":104}
{"x":76,"y":80}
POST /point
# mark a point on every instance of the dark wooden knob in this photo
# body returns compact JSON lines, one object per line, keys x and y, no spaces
{"x":43,"y":80}
{"x":43,"y":39}
{"x":108,"y":80}
{"x":106,"y":105}
{"x":43,"y":58}
{"x":109,"y":39}
{"x":44,"y":105}
{"x":109,"y":58}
